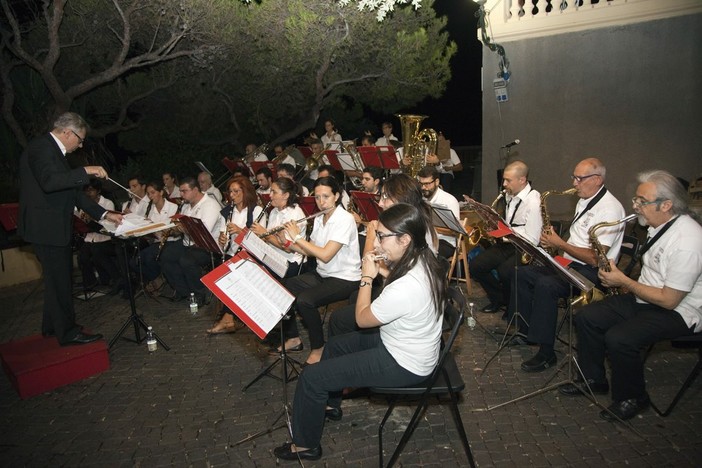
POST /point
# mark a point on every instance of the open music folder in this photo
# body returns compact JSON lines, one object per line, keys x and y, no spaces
{"x":264,"y":252}
{"x":249,"y":291}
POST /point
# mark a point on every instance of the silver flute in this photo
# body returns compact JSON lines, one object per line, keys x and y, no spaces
{"x":276,"y":230}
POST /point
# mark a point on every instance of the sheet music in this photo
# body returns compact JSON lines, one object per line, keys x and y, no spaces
{"x":265,"y":253}
{"x":256,"y":293}
{"x":130,"y":222}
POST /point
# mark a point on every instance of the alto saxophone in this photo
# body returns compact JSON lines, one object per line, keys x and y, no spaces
{"x":480,"y":230}
{"x":595,"y":294}
{"x":546,"y":219}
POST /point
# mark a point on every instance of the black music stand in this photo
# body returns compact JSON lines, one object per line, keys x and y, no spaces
{"x":134,"y":318}
{"x":285,"y":360}
{"x":234,"y":287}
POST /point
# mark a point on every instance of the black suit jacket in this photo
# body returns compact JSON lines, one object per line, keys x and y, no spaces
{"x":49,"y":190}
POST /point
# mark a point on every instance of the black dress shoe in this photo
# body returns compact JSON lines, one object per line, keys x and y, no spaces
{"x":491,"y":308}
{"x":625,"y":409}
{"x":82,"y":338}
{"x":333,"y":414}
{"x":579,"y":388}
{"x":539,"y":363}
{"x":284,"y":452}
{"x":518,"y":340}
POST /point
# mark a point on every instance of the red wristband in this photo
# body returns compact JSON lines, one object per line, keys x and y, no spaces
{"x":287,"y":244}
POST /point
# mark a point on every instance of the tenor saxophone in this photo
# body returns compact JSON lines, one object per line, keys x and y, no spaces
{"x":547,"y":227}
{"x":480,"y":231}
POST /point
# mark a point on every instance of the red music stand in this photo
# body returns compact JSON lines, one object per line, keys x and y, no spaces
{"x":367,"y":204}
{"x":333,"y":160}
{"x":308,"y":205}
{"x":256,"y":165}
{"x":305,"y":150}
{"x":236,"y":166}
{"x":9,"y":213}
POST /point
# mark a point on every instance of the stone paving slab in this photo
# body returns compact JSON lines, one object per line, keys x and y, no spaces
{"x":185,"y":407}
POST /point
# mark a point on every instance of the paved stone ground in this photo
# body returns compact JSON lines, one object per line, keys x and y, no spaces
{"x":185,"y":407}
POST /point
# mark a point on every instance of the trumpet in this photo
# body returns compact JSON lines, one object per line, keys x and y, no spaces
{"x":277,"y":229}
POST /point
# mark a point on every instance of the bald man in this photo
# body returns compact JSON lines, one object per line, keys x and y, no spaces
{"x":523,"y":215}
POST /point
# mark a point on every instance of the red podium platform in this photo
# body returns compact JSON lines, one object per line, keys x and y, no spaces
{"x":36,"y":364}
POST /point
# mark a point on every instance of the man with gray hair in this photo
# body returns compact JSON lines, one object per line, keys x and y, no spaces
{"x":536,"y":290}
{"x":49,"y":191}
{"x":664,"y":303}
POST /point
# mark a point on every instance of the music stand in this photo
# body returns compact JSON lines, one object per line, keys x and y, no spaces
{"x":308,"y":205}
{"x":237,"y":165}
{"x":367,"y":204}
{"x":558,"y":266}
{"x":134,"y":318}
{"x":252,"y":294}
{"x":258,"y":165}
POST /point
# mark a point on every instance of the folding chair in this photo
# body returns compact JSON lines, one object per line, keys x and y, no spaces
{"x":690,"y":341}
{"x":445,"y":378}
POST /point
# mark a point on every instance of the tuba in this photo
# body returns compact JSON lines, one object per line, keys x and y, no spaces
{"x":416,"y":143}
{"x":545,"y":218}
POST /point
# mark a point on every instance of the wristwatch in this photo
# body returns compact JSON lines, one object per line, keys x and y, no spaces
{"x":365,"y":283}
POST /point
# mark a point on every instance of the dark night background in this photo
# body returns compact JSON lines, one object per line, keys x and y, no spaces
{"x":458,"y":112}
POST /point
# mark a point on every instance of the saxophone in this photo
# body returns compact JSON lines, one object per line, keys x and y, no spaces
{"x":602,"y":260}
{"x":546,"y":219}
{"x":595,"y":294}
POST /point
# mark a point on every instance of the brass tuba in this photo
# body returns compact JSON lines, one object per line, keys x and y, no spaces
{"x":545,"y":218}
{"x":416,"y":144}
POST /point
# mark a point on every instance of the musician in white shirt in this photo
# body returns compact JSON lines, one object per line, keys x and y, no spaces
{"x":138,"y":201}
{"x":388,"y":137}
{"x":428,"y":178}
{"x":523,"y":216}
{"x":182,"y":262}
{"x":204,"y":180}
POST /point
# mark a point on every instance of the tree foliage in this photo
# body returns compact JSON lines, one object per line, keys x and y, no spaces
{"x":194,"y":76}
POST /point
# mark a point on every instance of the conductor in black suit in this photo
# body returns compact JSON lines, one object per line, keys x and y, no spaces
{"x":49,"y":191}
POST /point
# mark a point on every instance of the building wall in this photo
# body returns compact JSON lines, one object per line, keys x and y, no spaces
{"x":630,"y":95}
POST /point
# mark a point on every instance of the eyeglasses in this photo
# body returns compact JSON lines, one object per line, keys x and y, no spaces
{"x":81,"y":140}
{"x":579,"y":179}
{"x":640,"y":201}
{"x":426,"y":184}
{"x":382,"y":235}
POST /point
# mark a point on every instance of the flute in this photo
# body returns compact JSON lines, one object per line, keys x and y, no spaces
{"x":276,"y":230}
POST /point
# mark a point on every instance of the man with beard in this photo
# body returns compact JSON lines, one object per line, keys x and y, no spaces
{"x":428,"y":178}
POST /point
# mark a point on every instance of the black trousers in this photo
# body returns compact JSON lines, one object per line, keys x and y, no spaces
{"x":538,"y":290}
{"x":499,"y":257}
{"x":620,"y":327}
{"x":312,"y":291}
{"x":59,"y":317}
{"x":183,"y":267}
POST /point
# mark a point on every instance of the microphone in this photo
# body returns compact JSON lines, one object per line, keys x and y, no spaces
{"x":514,"y":143}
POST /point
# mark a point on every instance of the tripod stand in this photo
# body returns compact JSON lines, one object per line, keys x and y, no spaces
{"x":283,"y":358}
{"x":515,"y":320}
{"x":134,"y":318}
{"x":285,"y":413}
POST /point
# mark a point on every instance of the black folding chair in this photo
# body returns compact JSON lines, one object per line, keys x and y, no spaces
{"x":445,"y":379}
{"x":690,"y":341}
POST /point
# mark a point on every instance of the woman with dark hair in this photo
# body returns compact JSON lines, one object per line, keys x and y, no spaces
{"x":401,"y":188}
{"x":408,"y":312}
{"x":284,"y":202}
{"x":240,"y":212}
{"x":334,"y":244}
{"x":331,"y":134}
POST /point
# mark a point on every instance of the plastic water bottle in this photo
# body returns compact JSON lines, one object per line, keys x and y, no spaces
{"x":470,"y":320}
{"x":193,"y":305}
{"x":151,"y":343}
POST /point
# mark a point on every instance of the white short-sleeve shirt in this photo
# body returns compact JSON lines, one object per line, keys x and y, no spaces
{"x":410,"y":329}
{"x":341,"y":228}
